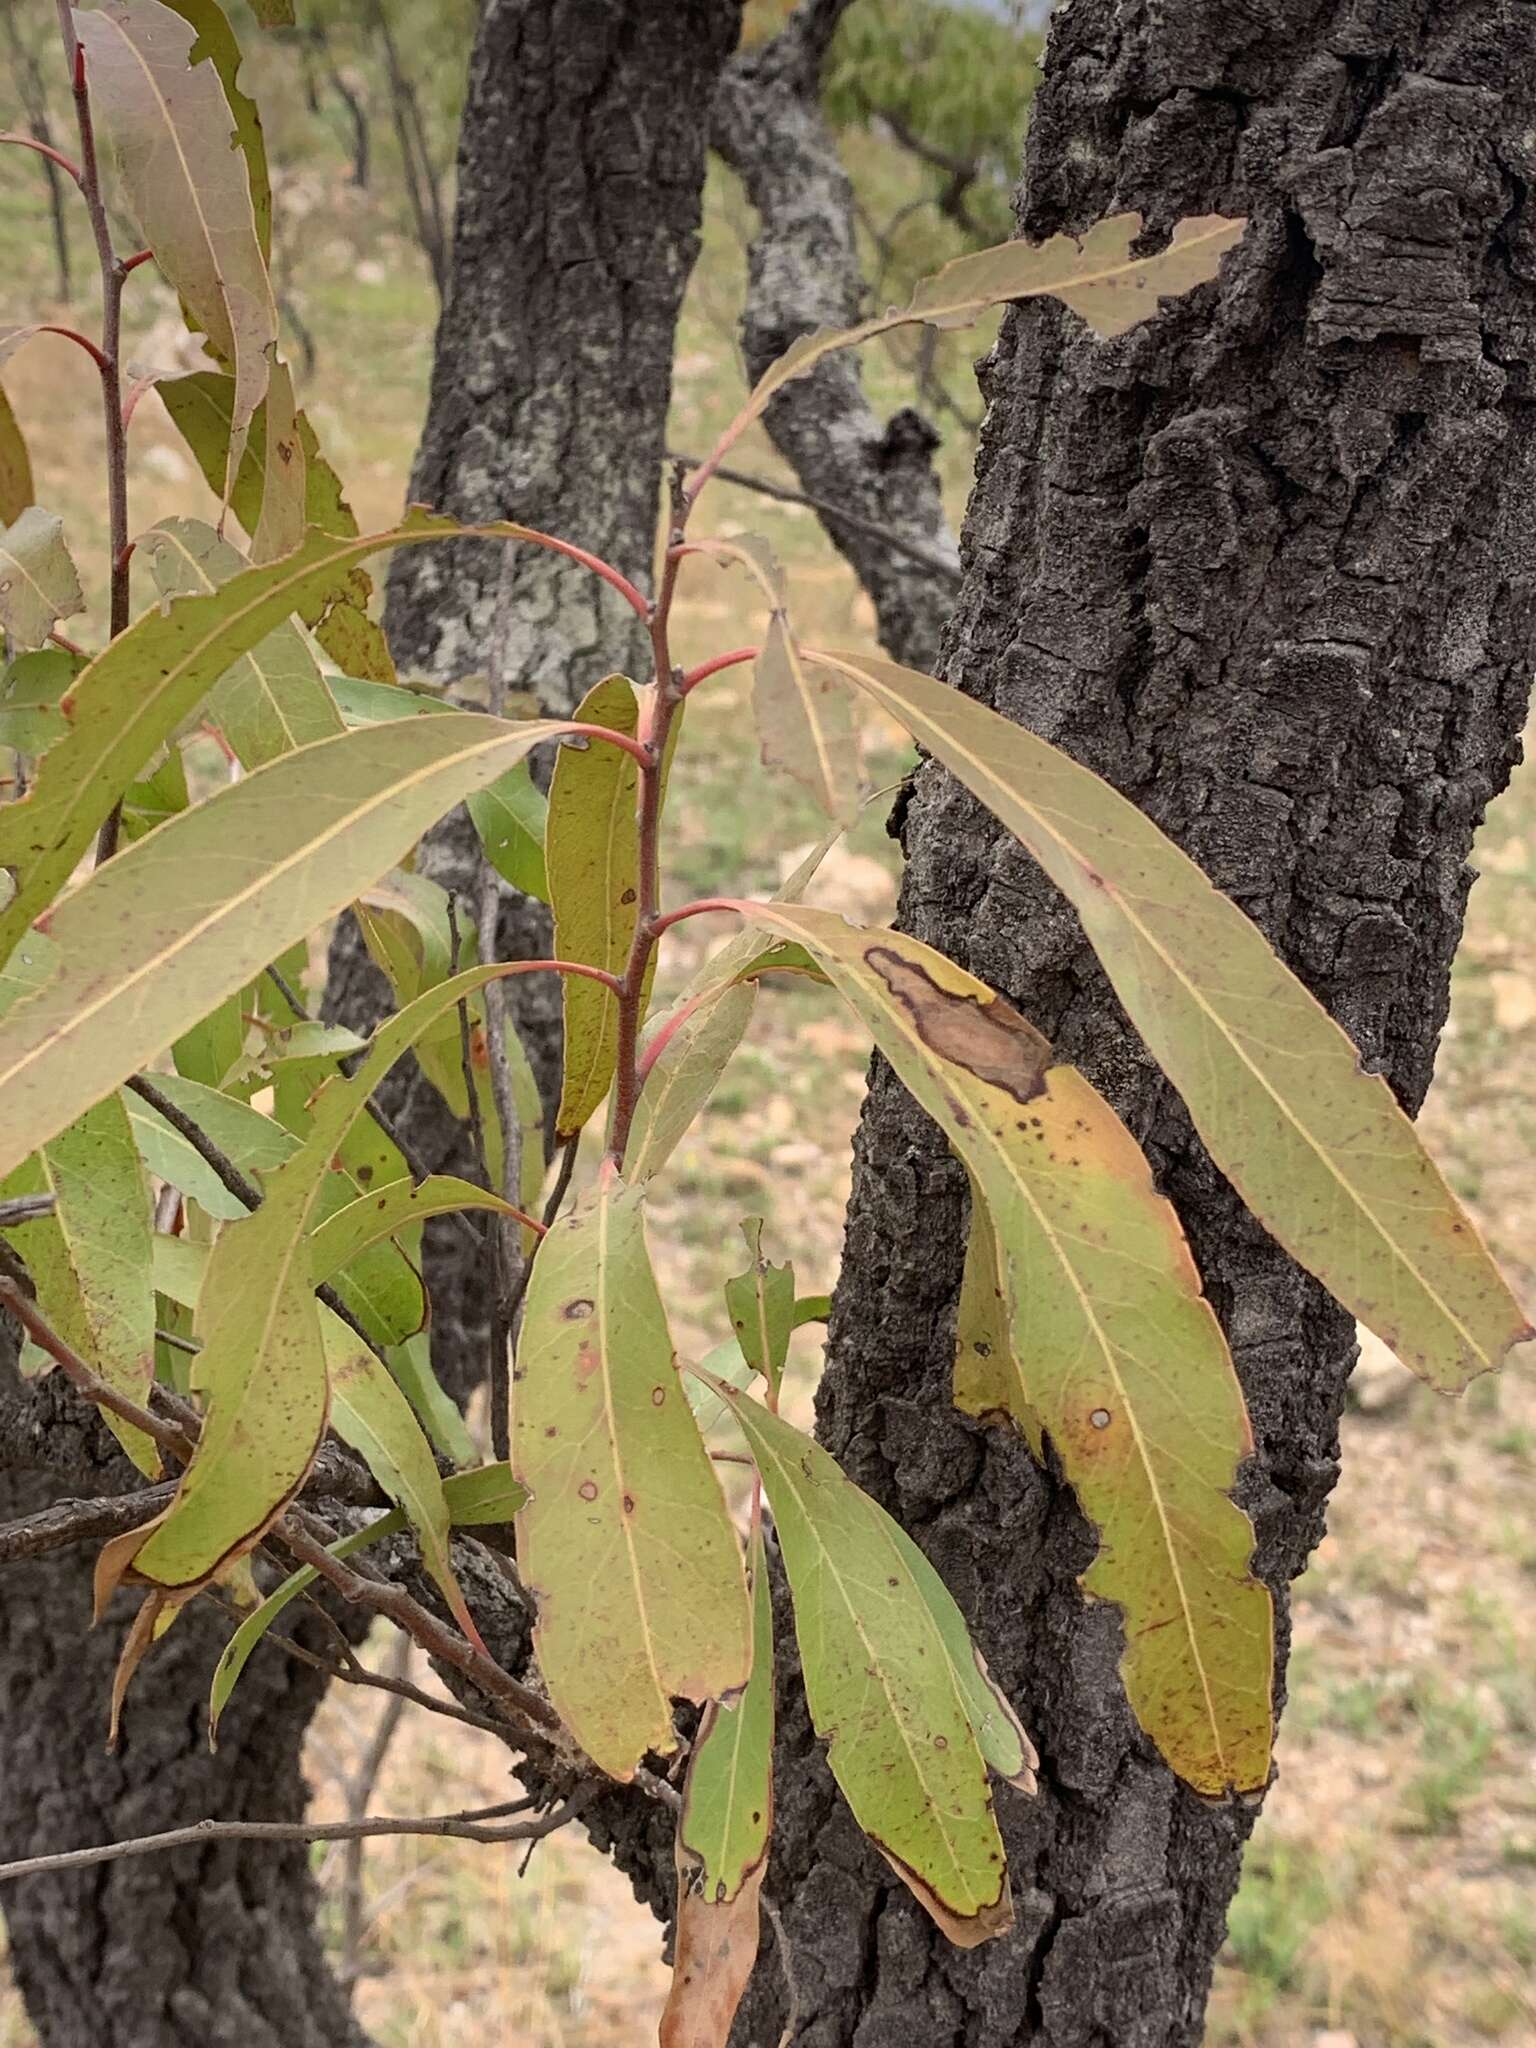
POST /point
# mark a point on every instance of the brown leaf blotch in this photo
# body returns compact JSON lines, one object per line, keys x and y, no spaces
{"x":989,"y":1039}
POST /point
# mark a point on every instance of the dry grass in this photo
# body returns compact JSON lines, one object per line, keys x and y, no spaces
{"x":1391,"y":1895}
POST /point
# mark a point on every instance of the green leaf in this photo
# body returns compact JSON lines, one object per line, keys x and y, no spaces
{"x":261,"y":1374}
{"x":884,"y":1684}
{"x":593,"y":860}
{"x":1319,"y":1151}
{"x":379,"y":1284}
{"x":369,"y":1412}
{"x":207,"y":900}
{"x":761,"y":1306}
{"x":362,"y":702}
{"x":805,"y":724}
{"x":38,"y":583}
{"x":188,"y":188}
{"x":727,"y":1812}
{"x":405,"y":924}
{"x":201,"y":407}
{"x":272,"y":699}
{"x":702,"y":1033}
{"x":1097,"y":276}
{"x":384,"y":1211}
{"x":480,"y":1499}
{"x":722,"y":1845}
{"x":216,"y":41}
{"x":17,"y":489}
{"x":1122,"y":1359}
{"x":625,"y":1543}
{"x":30,"y":690}
{"x":139,"y":690}
{"x":510,"y":818}
{"x":159,"y":795}
{"x":90,"y":1259}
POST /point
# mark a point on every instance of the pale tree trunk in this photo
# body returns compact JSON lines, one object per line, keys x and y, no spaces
{"x":1267,"y":565}
{"x":581,"y":175}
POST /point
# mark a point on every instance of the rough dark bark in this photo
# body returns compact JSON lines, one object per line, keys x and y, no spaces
{"x":205,"y":1948}
{"x":1268,"y":566}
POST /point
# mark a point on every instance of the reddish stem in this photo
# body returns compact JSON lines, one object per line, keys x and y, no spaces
{"x":706,"y":669}
{"x":80,"y":340}
{"x":139,"y":256}
{"x":66,"y":164}
{"x":663,"y":1039}
{"x":637,"y":748}
{"x":669,"y":918}
{"x":634,"y":598}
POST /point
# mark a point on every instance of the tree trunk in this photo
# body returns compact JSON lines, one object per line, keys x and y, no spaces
{"x":204,"y":1948}
{"x":1267,"y":565}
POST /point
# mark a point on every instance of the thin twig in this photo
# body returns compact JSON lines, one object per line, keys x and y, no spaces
{"x":24,"y":1209}
{"x":854,"y":521}
{"x":360,"y":1789}
{"x":74,"y":1521}
{"x":170,"y":1436}
{"x":455,"y":1827}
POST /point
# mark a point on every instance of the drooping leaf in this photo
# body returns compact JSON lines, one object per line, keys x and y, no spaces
{"x":16,"y":486}
{"x":702,"y":1034}
{"x":139,"y":690}
{"x":38,"y":583}
{"x":1097,"y":276}
{"x":722,"y":1846}
{"x":625,"y":1543}
{"x":216,"y":42}
{"x":805,"y":724}
{"x":90,"y":1258}
{"x":383,"y":1212}
{"x":761,"y":1306}
{"x":261,"y":1374}
{"x":201,"y":407}
{"x":272,"y":699}
{"x":1319,"y":1150}
{"x":189,"y":190}
{"x":369,"y":1412}
{"x":211,"y":897}
{"x":510,"y":818}
{"x":989,"y":1380}
{"x":885,"y":1687}
{"x":483,"y":1498}
{"x":593,"y":864}
{"x":1124,"y":1362}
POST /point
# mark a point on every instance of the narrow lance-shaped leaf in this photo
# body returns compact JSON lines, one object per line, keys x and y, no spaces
{"x":272,"y":699}
{"x":593,"y":862}
{"x":1097,"y":276}
{"x":201,"y":408}
{"x":382,"y":1213}
{"x":262,"y":1378}
{"x":702,"y":1033}
{"x":1320,"y":1151}
{"x":150,"y":679}
{"x":722,"y":1845}
{"x":805,"y":724}
{"x":16,"y":486}
{"x":38,"y":583}
{"x":510,"y":818}
{"x":1125,"y":1364}
{"x":885,"y":1690}
{"x":625,"y":1544}
{"x":171,"y":131}
{"x":206,"y":901}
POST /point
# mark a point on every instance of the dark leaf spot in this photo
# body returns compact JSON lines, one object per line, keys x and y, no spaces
{"x":588,"y":1489}
{"x":989,"y":1039}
